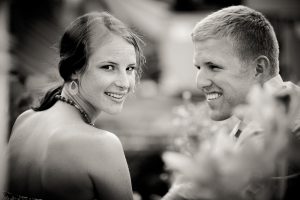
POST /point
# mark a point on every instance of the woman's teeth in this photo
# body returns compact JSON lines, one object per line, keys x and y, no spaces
{"x":114,"y":95}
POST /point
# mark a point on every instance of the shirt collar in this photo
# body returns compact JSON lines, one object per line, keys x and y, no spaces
{"x":273,"y":84}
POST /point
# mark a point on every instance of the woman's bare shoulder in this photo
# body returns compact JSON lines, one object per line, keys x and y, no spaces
{"x":82,"y":135}
{"x":23,"y":116}
{"x":83,"y":143}
{"x":26,"y":113}
{"x":91,"y":156}
{"x":71,"y":153}
{"x":22,"y":124}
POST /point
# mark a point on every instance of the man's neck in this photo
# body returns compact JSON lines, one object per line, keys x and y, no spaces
{"x":272,"y":84}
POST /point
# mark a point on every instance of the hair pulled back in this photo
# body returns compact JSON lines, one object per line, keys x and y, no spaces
{"x":76,"y":47}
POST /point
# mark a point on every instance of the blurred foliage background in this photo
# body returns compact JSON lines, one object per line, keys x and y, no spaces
{"x":30,"y":31}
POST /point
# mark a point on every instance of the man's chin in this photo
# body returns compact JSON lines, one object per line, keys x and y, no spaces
{"x":218,"y":116}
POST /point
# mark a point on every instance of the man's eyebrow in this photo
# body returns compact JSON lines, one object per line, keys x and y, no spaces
{"x":210,"y":63}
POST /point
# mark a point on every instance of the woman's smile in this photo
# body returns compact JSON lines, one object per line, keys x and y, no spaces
{"x":117,"y":96}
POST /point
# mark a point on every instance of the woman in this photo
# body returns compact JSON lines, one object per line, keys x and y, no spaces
{"x":55,"y":152}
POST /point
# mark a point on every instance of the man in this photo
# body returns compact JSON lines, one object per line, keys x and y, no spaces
{"x":235,"y":48}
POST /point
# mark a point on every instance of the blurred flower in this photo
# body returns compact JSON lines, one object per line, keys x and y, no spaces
{"x":217,"y":166}
{"x":194,"y":126}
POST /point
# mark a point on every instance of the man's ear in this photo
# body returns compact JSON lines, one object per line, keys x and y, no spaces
{"x":262,"y":66}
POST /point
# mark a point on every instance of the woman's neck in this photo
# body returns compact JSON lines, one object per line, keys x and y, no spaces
{"x":90,"y":110}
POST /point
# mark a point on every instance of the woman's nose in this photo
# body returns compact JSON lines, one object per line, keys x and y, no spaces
{"x":122,"y":81}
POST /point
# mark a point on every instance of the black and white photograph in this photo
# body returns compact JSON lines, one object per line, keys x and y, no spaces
{"x":150,"y":100}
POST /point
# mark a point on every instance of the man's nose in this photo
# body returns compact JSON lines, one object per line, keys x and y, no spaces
{"x":203,"y":79}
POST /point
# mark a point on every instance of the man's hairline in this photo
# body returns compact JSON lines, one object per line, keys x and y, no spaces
{"x":216,"y":37}
{"x":242,"y":60}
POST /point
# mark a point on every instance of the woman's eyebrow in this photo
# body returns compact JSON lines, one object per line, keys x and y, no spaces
{"x":107,"y":62}
{"x":132,"y":64}
{"x":114,"y":63}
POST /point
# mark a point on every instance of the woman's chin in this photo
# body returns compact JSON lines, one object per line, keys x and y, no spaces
{"x":114,"y":111}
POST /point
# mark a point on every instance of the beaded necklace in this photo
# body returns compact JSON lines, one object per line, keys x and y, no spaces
{"x":83,"y":114}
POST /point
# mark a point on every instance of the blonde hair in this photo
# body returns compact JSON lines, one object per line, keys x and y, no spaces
{"x":250,"y":32}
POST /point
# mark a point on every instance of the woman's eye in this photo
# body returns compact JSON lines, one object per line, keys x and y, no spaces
{"x":130,"y":69}
{"x":108,"y":67}
{"x":197,"y":67}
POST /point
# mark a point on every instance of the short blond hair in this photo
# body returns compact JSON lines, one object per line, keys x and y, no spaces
{"x":249,"y":30}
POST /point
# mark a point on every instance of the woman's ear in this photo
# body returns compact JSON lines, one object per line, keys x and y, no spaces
{"x":262,"y":66}
{"x":75,"y":76}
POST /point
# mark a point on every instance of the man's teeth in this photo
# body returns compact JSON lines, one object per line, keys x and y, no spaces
{"x":212,"y":96}
{"x":114,"y":95}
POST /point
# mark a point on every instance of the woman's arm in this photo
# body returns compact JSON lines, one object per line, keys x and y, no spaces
{"x":108,"y":169}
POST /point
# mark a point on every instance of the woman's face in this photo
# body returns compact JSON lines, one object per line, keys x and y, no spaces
{"x":110,"y":75}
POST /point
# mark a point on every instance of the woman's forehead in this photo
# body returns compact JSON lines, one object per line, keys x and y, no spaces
{"x":115,"y":47}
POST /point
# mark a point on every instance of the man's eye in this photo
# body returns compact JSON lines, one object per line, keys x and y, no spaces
{"x":198,"y":67}
{"x":214,"y":67}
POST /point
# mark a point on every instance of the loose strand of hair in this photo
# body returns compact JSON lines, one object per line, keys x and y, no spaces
{"x":48,"y":100}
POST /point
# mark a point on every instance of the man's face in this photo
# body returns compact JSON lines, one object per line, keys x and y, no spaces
{"x":223,"y":77}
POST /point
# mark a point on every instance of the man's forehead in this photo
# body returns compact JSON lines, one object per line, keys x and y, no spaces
{"x":222,"y":45}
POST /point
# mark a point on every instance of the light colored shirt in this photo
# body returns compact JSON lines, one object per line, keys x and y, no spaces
{"x":240,"y":130}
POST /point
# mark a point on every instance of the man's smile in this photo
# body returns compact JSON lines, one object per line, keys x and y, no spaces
{"x":212,"y":96}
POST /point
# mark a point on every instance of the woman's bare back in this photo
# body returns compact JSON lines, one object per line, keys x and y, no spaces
{"x":54,"y":158}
